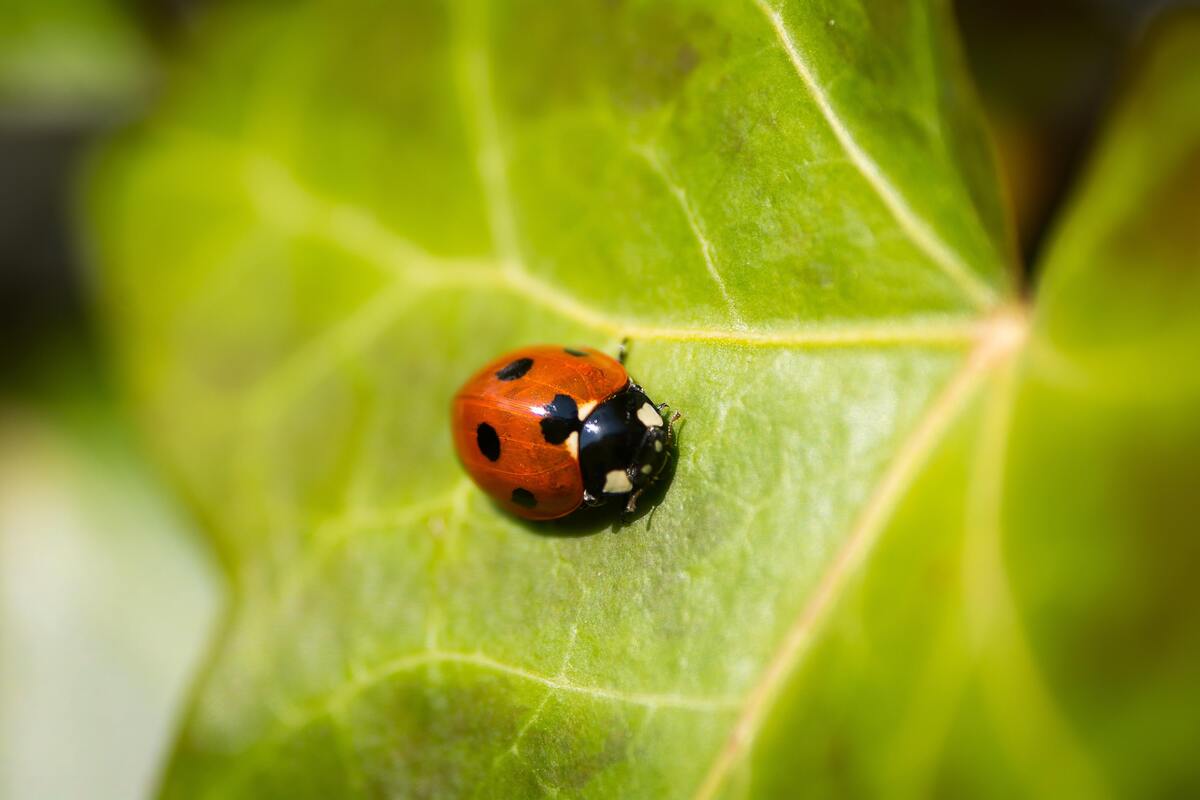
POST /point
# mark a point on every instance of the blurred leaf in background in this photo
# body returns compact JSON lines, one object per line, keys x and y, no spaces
{"x":63,"y":60}
{"x":107,"y":599}
{"x":921,"y":538}
{"x":69,"y":69}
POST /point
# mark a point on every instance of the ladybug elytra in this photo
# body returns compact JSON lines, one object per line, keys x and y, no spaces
{"x":547,"y":429}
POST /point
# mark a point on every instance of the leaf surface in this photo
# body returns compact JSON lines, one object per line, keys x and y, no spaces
{"x":1022,"y":625}
{"x":69,"y":61}
{"x":790,"y":211}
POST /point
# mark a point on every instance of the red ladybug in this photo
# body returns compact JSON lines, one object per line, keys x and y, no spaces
{"x":547,"y":429}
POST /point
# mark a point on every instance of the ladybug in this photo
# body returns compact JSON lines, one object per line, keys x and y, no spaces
{"x":547,"y":429}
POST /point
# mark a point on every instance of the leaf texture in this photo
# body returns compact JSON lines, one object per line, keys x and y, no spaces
{"x":790,"y":210}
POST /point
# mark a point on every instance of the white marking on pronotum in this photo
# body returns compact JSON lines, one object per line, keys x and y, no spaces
{"x":649,"y":417}
{"x":617,"y":482}
{"x":573,"y":445}
{"x":585,"y":409}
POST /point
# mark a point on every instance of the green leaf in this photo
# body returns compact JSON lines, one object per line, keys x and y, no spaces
{"x":69,"y":60}
{"x":851,"y":583}
{"x":1024,"y":625}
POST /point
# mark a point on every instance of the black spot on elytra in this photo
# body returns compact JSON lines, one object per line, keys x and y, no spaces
{"x":515,"y":370}
{"x":524,"y":498}
{"x":488,"y":441}
{"x":562,"y":418}
{"x":573,"y":352}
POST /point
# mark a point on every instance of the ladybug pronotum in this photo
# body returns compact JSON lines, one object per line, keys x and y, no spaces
{"x":547,"y":429}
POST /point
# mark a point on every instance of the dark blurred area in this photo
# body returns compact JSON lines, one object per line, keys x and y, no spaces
{"x":1045,"y":72}
{"x":45,"y":130}
{"x":40,"y":291}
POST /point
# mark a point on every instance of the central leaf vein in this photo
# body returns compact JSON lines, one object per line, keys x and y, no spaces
{"x":1007,"y":332}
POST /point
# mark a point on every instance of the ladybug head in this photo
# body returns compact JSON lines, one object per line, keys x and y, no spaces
{"x":651,"y":455}
{"x":624,"y":445}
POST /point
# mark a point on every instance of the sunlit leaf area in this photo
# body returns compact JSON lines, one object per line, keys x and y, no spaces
{"x":921,"y":278}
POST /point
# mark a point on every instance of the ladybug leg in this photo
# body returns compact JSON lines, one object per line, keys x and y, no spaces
{"x":661,"y":407}
{"x":675,"y":417}
{"x":631,"y":506}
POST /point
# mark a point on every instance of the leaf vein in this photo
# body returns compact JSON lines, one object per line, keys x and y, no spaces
{"x":1006,"y":334}
{"x":360,"y":233}
{"x":490,"y":162}
{"x":329,"y":706}
{"x":917,"y":230}
{"x":707,"y":251}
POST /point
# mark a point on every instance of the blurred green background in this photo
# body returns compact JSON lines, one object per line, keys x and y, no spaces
{"x":108,"y":595}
